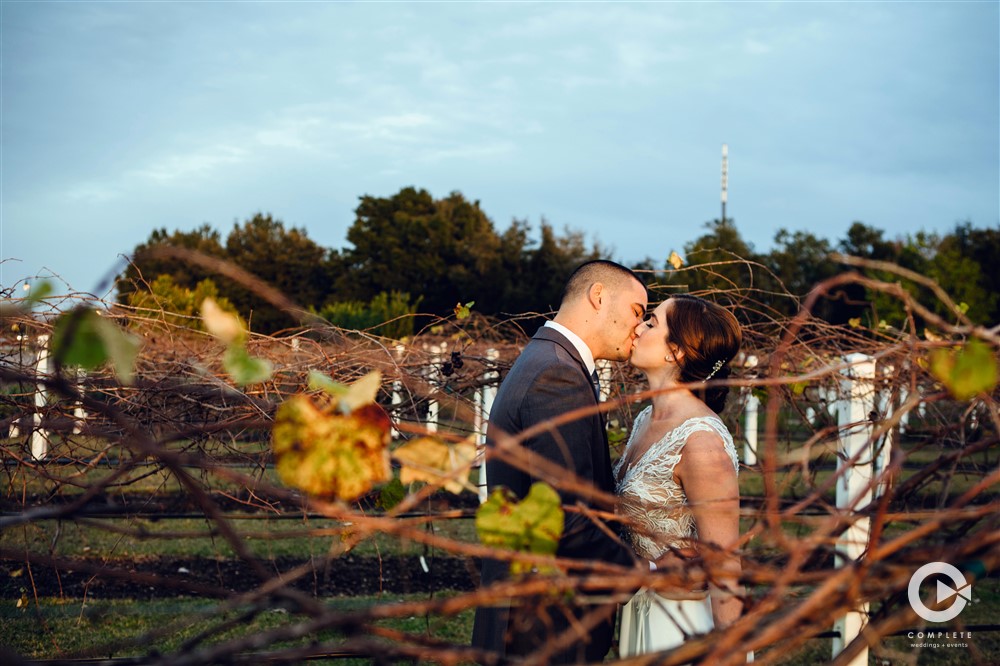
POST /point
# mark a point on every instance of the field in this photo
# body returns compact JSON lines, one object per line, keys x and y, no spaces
{"x":147,"y":564}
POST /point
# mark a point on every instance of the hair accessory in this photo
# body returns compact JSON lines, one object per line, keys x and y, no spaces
{"x":715,"y":368}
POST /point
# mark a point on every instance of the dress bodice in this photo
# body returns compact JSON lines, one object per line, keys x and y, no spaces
{"x":648,"y":494}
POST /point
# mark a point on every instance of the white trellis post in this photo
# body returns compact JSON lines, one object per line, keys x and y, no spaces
{"x":484,"y":404}
{"x":855,"y":468}
{"x":15,"y":427}
{"x":397,"y":392}
{"x":751,"y":409}
{"x":883,"y":450}
{"x":433,"y":408}
{"x":79,"y":413}
{"x":40,"y":438}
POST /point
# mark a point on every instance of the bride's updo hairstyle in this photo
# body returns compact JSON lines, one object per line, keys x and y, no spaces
{"x":709,"y":336}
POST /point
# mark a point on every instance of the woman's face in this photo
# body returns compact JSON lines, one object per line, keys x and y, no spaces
{"x":651,"y":349}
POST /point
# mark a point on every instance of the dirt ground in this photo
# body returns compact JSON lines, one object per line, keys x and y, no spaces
{"x":175,"y":577}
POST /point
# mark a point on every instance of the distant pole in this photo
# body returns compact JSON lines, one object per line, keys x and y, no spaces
{"x":725,"y":179}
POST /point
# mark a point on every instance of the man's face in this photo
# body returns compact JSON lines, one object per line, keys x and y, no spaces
{"x":624,"y":312}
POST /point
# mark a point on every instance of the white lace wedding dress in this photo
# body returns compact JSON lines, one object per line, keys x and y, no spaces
{"x":655,"y":503}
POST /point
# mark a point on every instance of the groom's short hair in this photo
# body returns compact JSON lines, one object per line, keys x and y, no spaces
{"x":608,"y":273}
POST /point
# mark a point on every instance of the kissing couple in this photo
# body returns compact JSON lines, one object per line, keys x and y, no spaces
{"x":675,"y":482}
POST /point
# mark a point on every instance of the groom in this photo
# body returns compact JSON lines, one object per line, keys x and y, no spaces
{"x":602,"y":304}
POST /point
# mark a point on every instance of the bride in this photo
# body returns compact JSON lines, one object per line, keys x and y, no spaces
{"x":676,"y":479}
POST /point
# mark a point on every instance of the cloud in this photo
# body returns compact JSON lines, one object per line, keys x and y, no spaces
{"x":92,"y":193}
{"x":195,"y":164}
{"x":755,"y":47}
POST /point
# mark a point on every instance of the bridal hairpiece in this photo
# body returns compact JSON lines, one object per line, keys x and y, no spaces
{"x":715,"y":368}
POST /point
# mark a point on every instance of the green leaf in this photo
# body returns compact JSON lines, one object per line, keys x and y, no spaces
{"x":319,"y":381}
{"x":391,"y":494}
{"x":463,"y":311}
{"x":82,"y":338}
{"x":532,"y":526}
{"x":967,"y":371}
{"x":39,"y":292}
{"x":243,"y":368}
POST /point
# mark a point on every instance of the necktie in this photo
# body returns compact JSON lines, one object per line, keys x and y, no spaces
{"x":596,"y":384}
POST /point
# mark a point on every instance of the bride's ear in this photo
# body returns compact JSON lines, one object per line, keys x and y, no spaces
{"x":674,"y":354}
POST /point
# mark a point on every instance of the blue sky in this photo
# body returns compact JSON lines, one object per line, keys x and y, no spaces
{"x":122,"y":117}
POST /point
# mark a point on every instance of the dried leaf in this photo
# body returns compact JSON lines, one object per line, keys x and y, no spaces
{"x":932,"y":336}
{"x":431,"y":460}
{"x":224,"y":325}
{"x":675,"y":260}
{"x":362,"y":392}
{"x":328,"y":454}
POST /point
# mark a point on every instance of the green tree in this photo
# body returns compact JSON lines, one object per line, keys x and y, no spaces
{"x":854,"y":301}
{"x":798,"y":262}
{"x":174,"y":304}
{"x":966,"y":267}
{"x":718,"y":260}
{"x":387,"y":314}
{"x":287,"y":259}
{"x":143,"y":268}
{"x":447,"y":248}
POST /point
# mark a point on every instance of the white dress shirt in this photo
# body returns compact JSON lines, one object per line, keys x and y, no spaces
{"x":581,"y":346}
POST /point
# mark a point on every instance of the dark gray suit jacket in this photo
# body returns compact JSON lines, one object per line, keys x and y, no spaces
{"x":550,"y":379}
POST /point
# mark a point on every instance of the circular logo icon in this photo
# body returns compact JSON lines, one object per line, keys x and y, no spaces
{"x":961,"y":592}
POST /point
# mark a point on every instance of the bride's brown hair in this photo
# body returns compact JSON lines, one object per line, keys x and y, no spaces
{"x":709,"y":336}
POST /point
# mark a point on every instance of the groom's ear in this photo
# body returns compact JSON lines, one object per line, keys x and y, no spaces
{"x":596,"y":295}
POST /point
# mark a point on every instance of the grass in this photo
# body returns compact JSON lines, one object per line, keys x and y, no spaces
{"x":983,"y":646}
{"x":265,"y":537}
{"x":60,"y":627}
{"x":101,"y":627}
{"x":55,"y":627}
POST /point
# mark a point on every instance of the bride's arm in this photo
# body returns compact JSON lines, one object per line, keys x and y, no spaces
{"x":705,"y":472}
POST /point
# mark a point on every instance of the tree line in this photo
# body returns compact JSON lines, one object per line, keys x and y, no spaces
{"x":411,"y":253}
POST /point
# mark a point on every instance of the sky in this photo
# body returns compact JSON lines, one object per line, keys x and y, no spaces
{"x":118,"y":118}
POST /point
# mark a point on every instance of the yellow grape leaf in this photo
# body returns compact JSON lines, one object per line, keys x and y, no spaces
{"x":967,"y":371}
{"x":854,"y":322}
{"x":331,"y":455}
{"x":224,"y":325}
{"x":463,"y":311}
{"x":675,"y":260}
{"x":362,"y":392}
{"x":932,"y":336}
{"x":533,"y":525}
{"x":431,"y":460}
{"x":349,"y":397}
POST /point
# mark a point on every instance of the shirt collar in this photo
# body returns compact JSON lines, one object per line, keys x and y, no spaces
{"x":576,"y":341}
